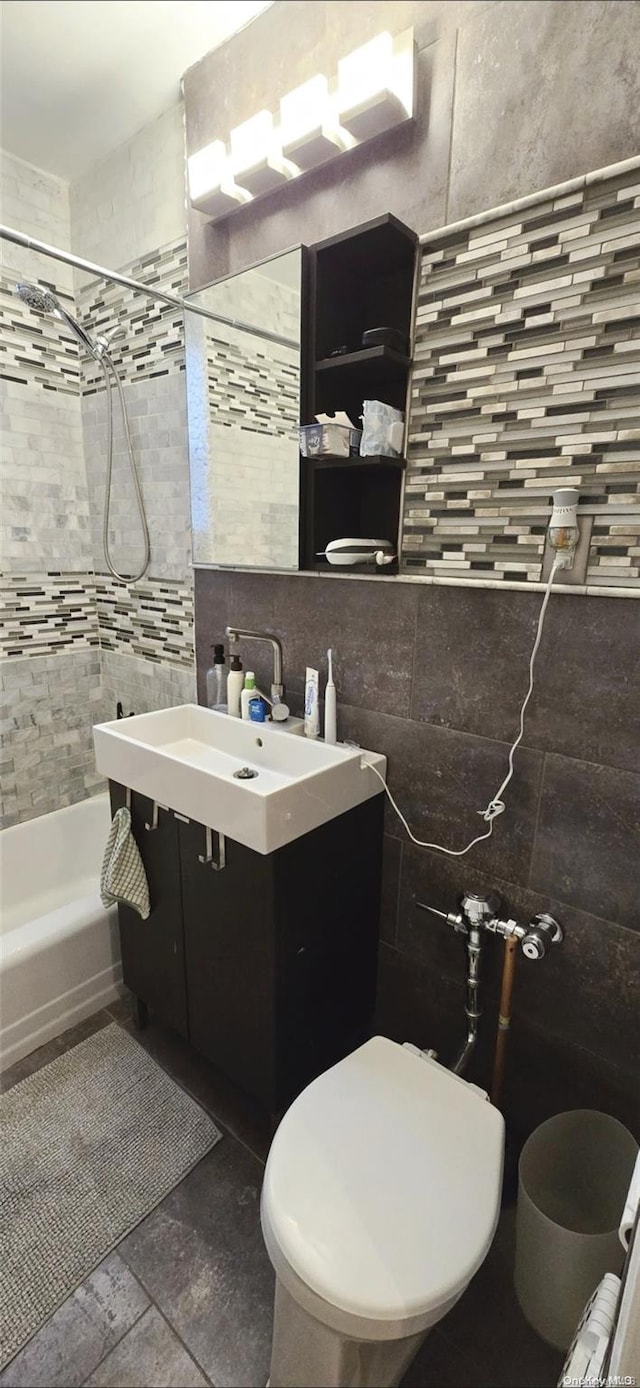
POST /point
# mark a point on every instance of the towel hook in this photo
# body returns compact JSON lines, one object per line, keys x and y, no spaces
{"x":207,"y":857}
{"x":154,"y":818}
{"x":127,"y":797}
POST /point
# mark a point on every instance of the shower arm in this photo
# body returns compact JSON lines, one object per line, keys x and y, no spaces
{"x":30,"y":243}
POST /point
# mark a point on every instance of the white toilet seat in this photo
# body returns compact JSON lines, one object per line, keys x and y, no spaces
{"x":382,"y":1192}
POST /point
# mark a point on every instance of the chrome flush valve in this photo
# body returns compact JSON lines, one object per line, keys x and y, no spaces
{"x":543,"y":931}
{"x":477,"y":910}
{"x":481,"y":913}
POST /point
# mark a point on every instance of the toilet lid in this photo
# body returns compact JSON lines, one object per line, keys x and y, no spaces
{"x":382,"y":1186}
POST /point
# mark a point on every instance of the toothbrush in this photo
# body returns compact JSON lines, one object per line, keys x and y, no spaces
{"x":330,"y":731}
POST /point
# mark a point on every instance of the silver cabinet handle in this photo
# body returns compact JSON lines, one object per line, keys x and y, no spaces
{"x":207,"y":857}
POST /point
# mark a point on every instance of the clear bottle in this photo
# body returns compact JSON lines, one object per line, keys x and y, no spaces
{"x":216,"y":683}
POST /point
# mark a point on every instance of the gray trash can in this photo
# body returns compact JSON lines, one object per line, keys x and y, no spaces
{"x":574,"y":1176}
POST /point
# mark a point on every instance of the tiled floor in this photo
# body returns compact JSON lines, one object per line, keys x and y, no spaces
{"x":186,"y":1298}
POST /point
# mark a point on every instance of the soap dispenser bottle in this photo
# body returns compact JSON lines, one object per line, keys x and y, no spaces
{"x":248,"y":693}
{"x":235,"y":682}
{"x":216,"y":681}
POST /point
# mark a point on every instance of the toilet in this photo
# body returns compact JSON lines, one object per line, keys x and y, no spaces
{"x":380,"y":1200}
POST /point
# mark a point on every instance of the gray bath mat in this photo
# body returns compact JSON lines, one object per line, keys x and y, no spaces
{"x":89,"y":1145}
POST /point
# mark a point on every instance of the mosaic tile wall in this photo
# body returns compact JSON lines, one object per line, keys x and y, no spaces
{"x":152,"y":340}
{"x":47,"y":613}
{"x":158,"y":424}
{"x":36,"y":348}
{"x":252,"y":387}
{"x":151,"y":619}
{"x":527,"y":378}
{"x":74,"y":642}
{"x":52,"y":613}
{"x":48,"y":705}
{"x":244,"y":410}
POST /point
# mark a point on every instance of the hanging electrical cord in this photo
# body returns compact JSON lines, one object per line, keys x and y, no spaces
{"x":496,"y":805}
{"x":107,"y":364}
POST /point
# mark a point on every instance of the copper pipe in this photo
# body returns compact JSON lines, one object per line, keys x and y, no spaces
{"x":504,"y":1017}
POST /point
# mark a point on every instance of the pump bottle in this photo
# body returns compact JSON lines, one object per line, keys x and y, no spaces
{"x":235,"y":682}
{"x":216,"y":681}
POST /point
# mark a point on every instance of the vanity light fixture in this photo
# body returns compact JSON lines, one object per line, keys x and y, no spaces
{"x":374,"y":91}
{"x":211,"y":184}
{"x":256,"y":155}
{"x":309,"y":128}
{"x":376,"y":85}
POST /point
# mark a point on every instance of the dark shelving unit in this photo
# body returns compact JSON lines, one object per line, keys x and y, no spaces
{"x":374,"y":362}
{"x":358,"y":464}
{"x":358,"y":280}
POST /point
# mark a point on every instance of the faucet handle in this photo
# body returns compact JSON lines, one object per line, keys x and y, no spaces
{"x":452,"y":919}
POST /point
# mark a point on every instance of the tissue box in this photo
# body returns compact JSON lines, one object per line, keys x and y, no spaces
{"x":322,"y":440}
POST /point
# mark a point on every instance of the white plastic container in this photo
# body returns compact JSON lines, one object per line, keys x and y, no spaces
{"x":248,"y":693}
{"x":574,"y":1176}
{"x":235,"y":685}
{"x":329,"y":440}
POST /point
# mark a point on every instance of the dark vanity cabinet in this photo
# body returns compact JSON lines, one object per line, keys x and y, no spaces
{"x":266,"y":965}
{"x":359,"y":280}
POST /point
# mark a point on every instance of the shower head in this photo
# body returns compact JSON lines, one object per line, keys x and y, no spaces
{"x":43,"y":301}
{"x":37,"y":298}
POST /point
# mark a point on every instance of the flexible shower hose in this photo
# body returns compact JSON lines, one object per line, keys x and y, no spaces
{"x":107,"y":364}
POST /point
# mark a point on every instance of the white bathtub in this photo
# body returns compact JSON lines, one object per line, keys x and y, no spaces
{"x":59,"y":948}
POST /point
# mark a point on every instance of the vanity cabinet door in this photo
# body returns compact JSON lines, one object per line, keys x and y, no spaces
{"x":328,"y":913}
{"x":153,"y":950}
{"x":230,"y":950}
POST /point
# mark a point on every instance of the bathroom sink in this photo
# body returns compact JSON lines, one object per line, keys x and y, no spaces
{"x":188,"y":759}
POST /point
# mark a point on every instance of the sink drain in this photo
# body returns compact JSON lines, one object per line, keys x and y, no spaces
{"x":245,"y":774}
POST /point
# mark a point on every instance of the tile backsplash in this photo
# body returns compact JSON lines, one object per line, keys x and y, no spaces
{"x":526,"y":378}
{"x":152,"y":619}
{"x":152,"y":344}
{"x":47,"y":613}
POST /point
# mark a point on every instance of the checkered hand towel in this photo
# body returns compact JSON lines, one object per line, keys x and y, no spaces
{"x":123,"y":878}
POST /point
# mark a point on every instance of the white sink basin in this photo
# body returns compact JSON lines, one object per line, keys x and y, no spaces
{"x":186,"y":758}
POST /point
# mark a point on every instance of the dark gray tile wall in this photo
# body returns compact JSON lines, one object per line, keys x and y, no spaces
{"x":434,"y":677}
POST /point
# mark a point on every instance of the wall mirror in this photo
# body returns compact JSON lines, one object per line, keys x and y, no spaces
{"x":243,"y":405}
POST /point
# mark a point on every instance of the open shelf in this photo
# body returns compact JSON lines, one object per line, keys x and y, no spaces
{"x":359,"y":280}
{"x":357,"y":463}
{"x":377,"y":362}
{"x":322,"y":565}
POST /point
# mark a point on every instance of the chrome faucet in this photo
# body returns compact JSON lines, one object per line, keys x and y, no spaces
{"x":234,"y":634}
